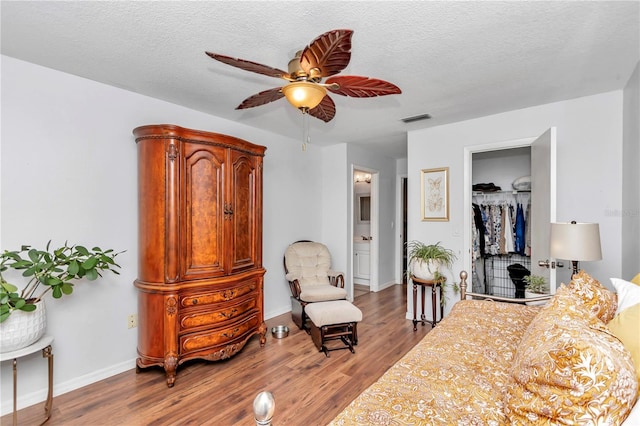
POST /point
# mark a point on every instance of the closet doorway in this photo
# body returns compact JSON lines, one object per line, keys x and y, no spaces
{"x":505,"y":165}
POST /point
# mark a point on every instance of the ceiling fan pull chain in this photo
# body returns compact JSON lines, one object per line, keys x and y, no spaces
{"x":305,"y":130}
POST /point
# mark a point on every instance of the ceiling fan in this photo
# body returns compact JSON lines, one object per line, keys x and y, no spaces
{"x":325,"y":56}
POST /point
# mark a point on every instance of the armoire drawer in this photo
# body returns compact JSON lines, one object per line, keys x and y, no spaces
{"x":218,"y":296}
{"x":192,"y":318}
{"x":218,"y":336}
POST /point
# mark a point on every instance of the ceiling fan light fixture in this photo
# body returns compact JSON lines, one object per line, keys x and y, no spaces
{"x":326,"y":56}
{"x":304,"y":95}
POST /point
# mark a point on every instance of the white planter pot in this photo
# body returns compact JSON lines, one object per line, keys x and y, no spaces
{"x":425,"y":270}
{"x":23,"y":328}
{"x":529,"y":294}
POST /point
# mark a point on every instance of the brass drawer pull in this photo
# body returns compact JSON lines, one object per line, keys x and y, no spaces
{"x":229,"y":314}
{"x":230,"y":335}
{"x":230,"y":294}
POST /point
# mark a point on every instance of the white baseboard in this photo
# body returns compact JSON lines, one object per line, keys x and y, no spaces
{"x":276,"y":312}
{"x":39,"y":396}
{"x":386,"y":285}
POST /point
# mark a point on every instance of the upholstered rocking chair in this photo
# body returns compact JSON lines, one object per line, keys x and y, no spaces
{"x":307,"y":266}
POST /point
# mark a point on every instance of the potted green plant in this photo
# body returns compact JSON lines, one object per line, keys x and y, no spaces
{"x":536,"y":286}
{"x":426,"y":260}
{"x":48,"y":270}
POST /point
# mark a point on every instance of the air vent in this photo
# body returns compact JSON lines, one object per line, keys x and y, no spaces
{"x":416,"y":118}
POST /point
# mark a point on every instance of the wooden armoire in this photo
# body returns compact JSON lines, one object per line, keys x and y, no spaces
{"x":200,"y":273}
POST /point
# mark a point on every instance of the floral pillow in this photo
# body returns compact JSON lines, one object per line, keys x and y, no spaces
{"x":569,"y":369}
{"x":599,"y":300}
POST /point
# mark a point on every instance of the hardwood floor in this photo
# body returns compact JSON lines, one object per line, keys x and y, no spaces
{"x":309,"y":389}
{"x":359,"y":290}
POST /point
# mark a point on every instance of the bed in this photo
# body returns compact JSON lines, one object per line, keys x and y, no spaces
{"x":494,"y":363}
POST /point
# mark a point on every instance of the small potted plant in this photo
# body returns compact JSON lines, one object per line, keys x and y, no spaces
{"x":426,"y":260}
{"x":536,"y":286}
{"x":48,"y":270}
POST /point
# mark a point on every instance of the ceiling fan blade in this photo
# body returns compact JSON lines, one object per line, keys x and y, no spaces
{"x":250,"y":66}
{"x":330,"y":53}
{"x":261,"y":98}
{"x":325,"y":110}
{"x":361,"y":87}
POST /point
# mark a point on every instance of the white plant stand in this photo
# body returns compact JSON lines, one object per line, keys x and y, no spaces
{"x":44,"y":344}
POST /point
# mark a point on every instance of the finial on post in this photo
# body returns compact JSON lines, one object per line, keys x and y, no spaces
{"x":263,"y":407}
{"x":463,"y":285}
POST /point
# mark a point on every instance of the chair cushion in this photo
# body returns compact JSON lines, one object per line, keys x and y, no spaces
{"x":335,"y":312}
{"x":310,"y":262}
{"x":321,"y":293}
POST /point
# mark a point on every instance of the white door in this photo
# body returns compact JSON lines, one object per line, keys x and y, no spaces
{"x":543,"y":204}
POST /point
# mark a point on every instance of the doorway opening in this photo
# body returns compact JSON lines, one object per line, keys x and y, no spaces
{"x":364,"y":225}
{"x":501,"y":201}
{"x":540,"y":153}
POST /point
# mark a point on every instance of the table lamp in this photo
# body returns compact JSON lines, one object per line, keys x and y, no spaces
{"x":575,"y":242}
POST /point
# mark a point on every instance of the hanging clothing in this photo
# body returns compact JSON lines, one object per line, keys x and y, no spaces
{"x":500,"y":235}
{"x":503,"y":220}
{"x":479,"y":231}
{"x":520,"y":230}
{"x":508,"y":231}
{"x":487,"y":220}
{"x":477,"y":259}
{"x":495,"y":228}
{"x":527,"y":232}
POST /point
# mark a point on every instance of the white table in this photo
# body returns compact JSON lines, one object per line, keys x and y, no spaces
{"x":43,"y":344}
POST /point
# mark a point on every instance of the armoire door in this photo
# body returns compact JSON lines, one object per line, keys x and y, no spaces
{"x":244,"y":206}
{"x":203,"y":211}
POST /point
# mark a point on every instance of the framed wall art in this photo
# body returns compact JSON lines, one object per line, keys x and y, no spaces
{"x":435,"y":194}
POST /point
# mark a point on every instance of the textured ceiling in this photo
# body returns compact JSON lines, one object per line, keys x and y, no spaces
{"x":453,"y":60}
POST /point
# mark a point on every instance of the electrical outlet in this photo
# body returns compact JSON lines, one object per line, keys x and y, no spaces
{"x":132,"y":321}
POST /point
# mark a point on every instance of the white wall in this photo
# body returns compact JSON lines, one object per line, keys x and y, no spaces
{"x":589,"y":149}
{"x":69,"y":172}
{"x":630,"y":212}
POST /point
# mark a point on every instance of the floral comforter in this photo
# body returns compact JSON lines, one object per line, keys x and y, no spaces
{"x":455,"y":375}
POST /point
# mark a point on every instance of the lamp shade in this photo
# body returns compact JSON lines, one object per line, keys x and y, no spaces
{"x":304,"y":95}
{"x":575,"y":241}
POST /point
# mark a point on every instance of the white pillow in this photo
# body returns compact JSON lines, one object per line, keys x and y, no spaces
{"x":628,"y":293}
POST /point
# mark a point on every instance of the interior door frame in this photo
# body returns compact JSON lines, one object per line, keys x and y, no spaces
{"x":468,"y":184}
{"x":374,"y":285}
{"x":400,"y":246}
